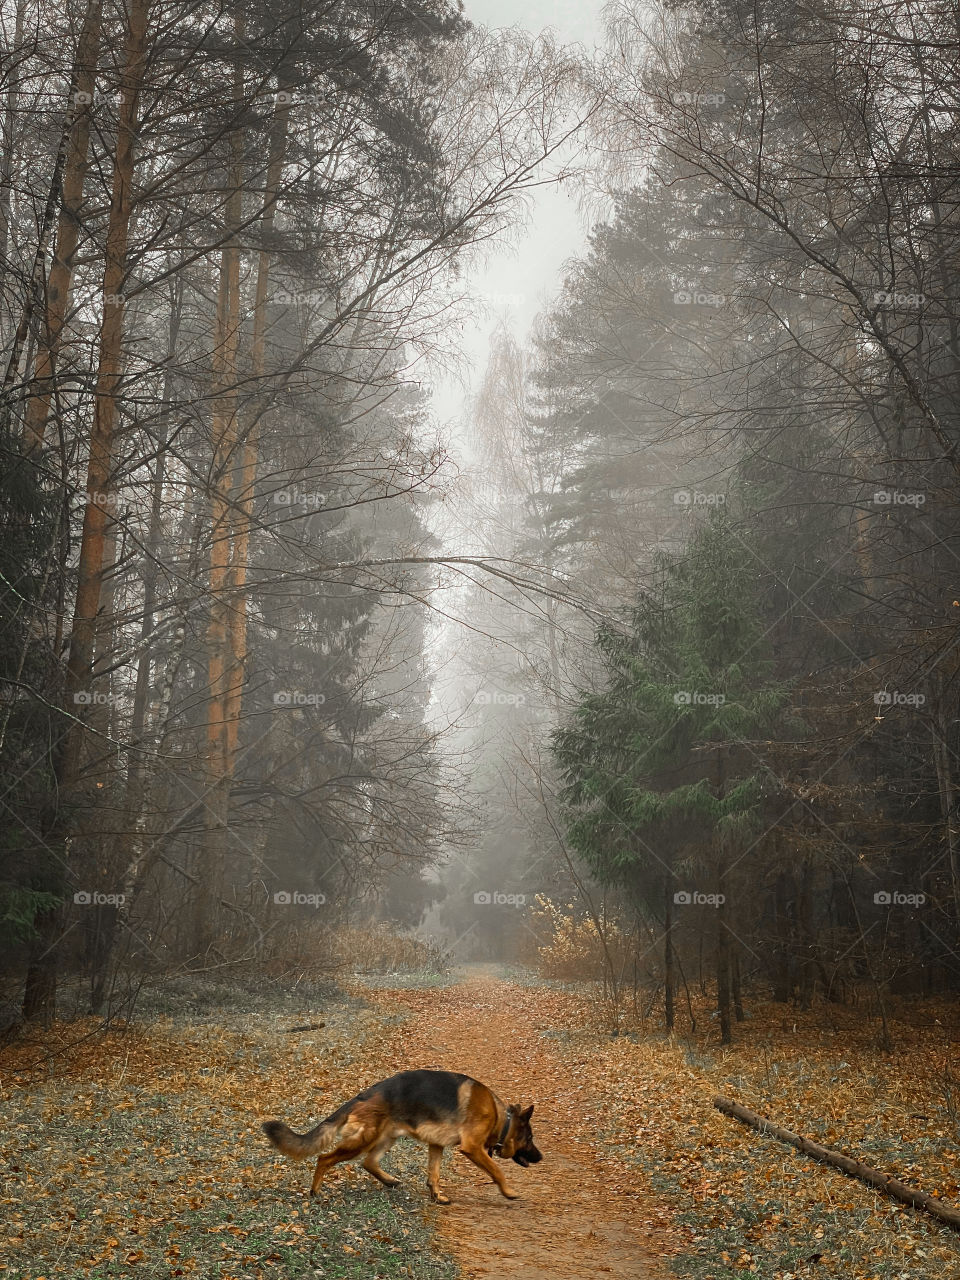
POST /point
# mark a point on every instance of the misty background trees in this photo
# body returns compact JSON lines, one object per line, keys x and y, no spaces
{"x":656,"y":650}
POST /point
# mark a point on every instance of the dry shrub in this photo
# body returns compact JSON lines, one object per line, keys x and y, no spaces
{"x":572,"y":947}
{"x":375,"y":949}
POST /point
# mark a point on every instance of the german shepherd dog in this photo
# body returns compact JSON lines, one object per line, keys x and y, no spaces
{"x":439,"y":1108}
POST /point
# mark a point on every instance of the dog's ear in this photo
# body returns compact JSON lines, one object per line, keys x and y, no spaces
{"x":525,"y":1115}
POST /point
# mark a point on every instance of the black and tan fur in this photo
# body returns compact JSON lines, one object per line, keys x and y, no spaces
{"x":439,"y":1108}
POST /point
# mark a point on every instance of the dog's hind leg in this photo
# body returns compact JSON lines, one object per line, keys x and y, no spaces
{"x":326,"y":1163}
{"x":371,"y":1162}
{"x":433,"y":1173}
{"x":353,"y":1142}
{"x":480,"y":1158}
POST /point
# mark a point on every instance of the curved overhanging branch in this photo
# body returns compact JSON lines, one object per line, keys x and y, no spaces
{"x":494,"y":566}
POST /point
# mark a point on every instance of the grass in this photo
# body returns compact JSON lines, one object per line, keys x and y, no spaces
{"x":189,"y":998}
{"x":353,"y":1230}
{"x":139,"y":1153}
{"x":418,"y":980}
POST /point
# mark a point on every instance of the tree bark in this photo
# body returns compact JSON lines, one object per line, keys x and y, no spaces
{"x":9,"y":131}
{"x":735,"y":987}
{"x":243,"y":506}
{"x":225,"y":438}
{"x":808,"y":971}
{"x":70,"y":162}
{"x":40,"y":987}
{"x":40,"y":990}
{"x":60,"y":276}
{"x":723,"y":959}
{"x":668,"y":965}
{"x":99,"y":467}
{"x":723,"y":929}
{"x":947,"y":788}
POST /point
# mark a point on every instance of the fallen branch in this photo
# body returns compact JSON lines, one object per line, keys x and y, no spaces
{"x":889,"y":1186}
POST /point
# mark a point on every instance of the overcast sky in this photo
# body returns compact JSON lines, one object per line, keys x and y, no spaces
{"x":516,"y":283}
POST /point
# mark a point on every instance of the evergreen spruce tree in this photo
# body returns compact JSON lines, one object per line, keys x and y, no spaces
{"x":664,"y":787}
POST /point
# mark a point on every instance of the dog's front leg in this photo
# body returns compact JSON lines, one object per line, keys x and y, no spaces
{"x":433,"y":1173}
{"x":483,"y":1161}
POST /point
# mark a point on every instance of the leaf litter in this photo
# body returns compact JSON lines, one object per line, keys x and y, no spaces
{"x":137,"y":1151}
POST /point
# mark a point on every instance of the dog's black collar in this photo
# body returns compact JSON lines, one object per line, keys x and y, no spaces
{"x":504,"y":1131}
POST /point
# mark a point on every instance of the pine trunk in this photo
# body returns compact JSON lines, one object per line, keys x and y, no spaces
{"x":99,"y":467}
{"x":243,"y":506}
{"x":40,"y":991}
{"x":668,"y":959}
{"x":723,"y":928}
{"x":224,"y":431}
{"x":60,"y":277}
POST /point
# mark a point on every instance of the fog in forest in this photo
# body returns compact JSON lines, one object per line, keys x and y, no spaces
{"x":477,"y":488}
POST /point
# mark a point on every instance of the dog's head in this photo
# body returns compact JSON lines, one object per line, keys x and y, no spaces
{"x":518,"y":1145}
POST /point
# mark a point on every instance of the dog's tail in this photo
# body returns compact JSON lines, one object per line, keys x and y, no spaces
{"x":299,"y":1146}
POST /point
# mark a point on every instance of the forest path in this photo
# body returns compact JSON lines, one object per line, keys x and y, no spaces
{"x":577,"y":1216}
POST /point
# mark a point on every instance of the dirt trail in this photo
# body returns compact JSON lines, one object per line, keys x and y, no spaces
{"x":577,"y":1216}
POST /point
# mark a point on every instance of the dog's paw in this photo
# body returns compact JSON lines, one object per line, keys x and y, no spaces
{"x":511,"y":1194}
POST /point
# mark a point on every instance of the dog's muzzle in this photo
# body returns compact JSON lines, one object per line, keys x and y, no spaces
{"x":527,"y":1157}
